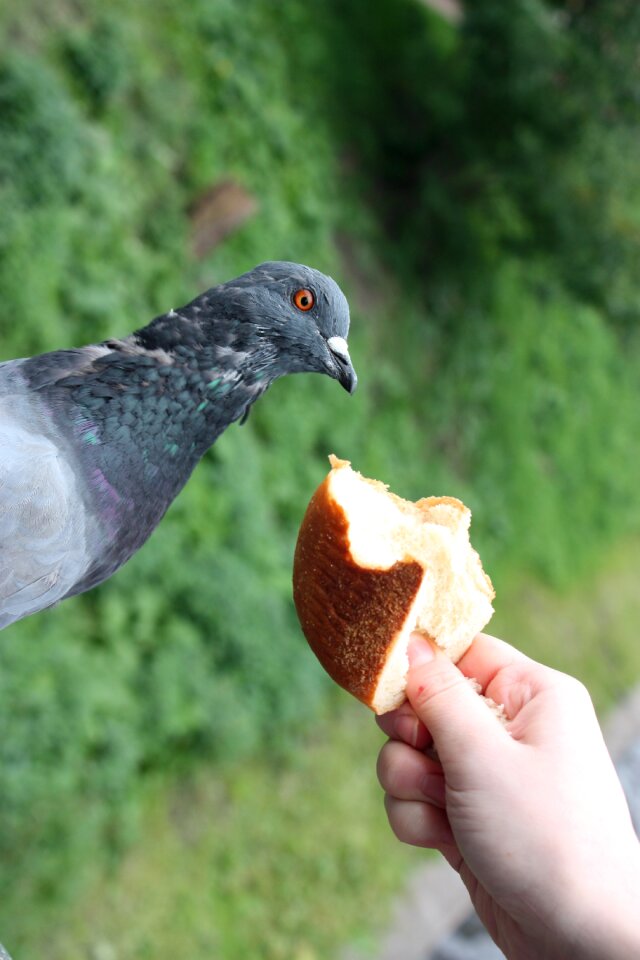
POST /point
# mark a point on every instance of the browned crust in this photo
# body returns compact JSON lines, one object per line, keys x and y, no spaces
{"x":350,"y":616}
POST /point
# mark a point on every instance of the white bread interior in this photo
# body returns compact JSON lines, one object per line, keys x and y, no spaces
{"x":454,"y":599}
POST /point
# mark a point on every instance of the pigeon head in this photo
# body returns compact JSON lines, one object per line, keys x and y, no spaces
{"x":302,"y":313}
{"x":278,"y":318}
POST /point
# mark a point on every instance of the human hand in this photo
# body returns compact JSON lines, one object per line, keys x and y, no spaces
{"x":531,"y":813}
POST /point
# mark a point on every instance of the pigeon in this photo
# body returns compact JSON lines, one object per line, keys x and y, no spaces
{"x":96,"y":442}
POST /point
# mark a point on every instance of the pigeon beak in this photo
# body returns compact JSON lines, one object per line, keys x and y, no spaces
{"x":345,"y":374}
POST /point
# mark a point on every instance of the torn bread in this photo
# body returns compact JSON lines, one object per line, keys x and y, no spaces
{"x":370,"y":568}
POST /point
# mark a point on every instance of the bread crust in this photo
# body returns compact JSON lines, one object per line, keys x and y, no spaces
{"x":370,"y":568}
{"x":335,"y":597}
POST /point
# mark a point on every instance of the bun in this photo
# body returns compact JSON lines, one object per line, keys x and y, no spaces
{"x":371,"y":568}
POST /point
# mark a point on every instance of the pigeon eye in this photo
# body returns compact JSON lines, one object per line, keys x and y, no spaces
{"x":304,"y":299}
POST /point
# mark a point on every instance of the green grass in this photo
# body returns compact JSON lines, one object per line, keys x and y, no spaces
{"x":293,"y":860}
{"x":283,"y":861}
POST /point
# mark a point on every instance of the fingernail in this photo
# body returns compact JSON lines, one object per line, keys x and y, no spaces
{"x":407,"y":728}
{"x":419,"y":650}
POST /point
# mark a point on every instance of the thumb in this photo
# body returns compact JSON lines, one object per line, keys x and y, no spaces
{"x":445,"y":700}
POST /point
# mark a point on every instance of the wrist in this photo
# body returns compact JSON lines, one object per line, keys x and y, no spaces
{"x":606,"y":920}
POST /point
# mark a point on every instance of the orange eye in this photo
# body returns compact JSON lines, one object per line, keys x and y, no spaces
{"x":304,"y":299}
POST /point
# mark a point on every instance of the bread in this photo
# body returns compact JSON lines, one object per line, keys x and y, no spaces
{"x":371,"y":568}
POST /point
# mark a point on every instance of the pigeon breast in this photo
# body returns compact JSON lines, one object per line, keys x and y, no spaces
{"x":44,"y":524}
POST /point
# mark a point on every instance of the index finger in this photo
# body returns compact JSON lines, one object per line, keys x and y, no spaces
{"x":486,"y":657}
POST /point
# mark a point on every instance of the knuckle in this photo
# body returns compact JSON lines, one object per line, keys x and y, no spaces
{"x":568,"y":688}
{"x":399,"y":822}
{"x":578,"y":693}
{"x":389,"y":766}
{"x":578,"y":689}
{"x":382,"y":766}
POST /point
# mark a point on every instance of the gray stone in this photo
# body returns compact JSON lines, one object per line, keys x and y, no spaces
{"x":470,"y":942}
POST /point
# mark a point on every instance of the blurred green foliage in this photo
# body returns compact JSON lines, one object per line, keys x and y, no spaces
{"x":476,"y":193}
